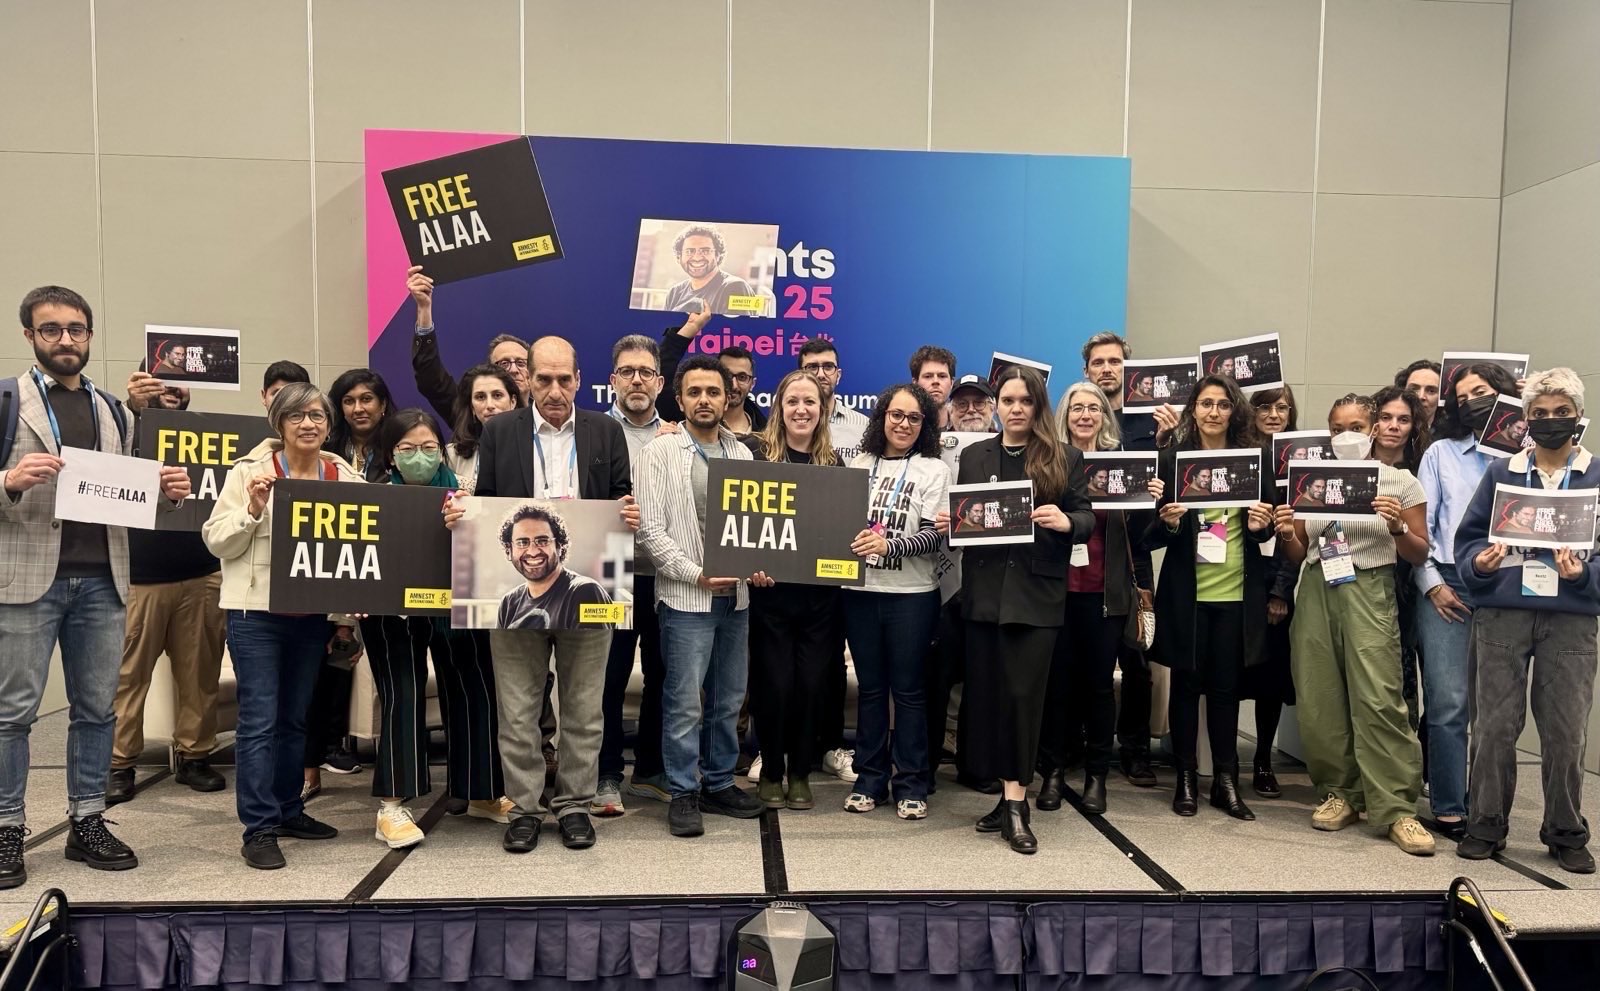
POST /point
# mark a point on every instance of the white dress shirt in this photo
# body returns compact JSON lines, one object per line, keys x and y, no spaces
{"x":555,"y":458}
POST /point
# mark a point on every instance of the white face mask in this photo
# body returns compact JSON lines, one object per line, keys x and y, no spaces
{"x":1352,"y":446}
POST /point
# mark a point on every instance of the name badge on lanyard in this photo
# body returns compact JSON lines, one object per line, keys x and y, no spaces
{"x":1211,"y":541}
{"x":1080,"y":555}
{"x":572,"y":467}
{"x":1338,"y":566}
{"x":1539,"y":577}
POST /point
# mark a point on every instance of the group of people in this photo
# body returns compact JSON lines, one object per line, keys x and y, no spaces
{"x":1250,"y":602}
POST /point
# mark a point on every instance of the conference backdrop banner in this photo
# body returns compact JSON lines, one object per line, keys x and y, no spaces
{"x":879,"y":251}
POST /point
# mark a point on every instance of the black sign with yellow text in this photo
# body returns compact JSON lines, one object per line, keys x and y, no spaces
{"x":478,"y":212}
{"x":794,"y":522}
{"x":207,"y":444}
{"x":348,"y":547}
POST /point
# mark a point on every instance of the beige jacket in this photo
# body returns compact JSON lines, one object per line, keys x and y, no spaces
{"x":243,"y":543}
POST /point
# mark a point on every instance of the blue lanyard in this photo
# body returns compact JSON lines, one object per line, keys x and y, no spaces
{"x":894,"y":494}
{"x":1566,"y":473}
{"x":55,"y":427}
{"x":702,"y":454}
{"x":572,"y":465}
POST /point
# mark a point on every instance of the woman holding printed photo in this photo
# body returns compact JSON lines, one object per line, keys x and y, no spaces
{"x":1449,"y":473}
{"x":790,"y":647}
{"x":1211,"y":596}
{"x":1107,"y":579}
{"x":1359,"y":746}
{"x":1013,"y":597}
{"x":889,"y":621}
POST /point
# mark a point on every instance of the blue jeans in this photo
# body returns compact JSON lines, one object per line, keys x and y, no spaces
{"x":703,"y":652}
{"x":1445,"y":683}
{"x":889,"y":634}
{"x":275,"y":660}
{"x":87,"y":617}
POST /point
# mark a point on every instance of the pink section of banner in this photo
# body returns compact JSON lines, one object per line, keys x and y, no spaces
{"x":386,"y":253}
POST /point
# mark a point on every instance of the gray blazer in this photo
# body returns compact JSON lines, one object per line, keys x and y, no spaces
{"x":30,"y":534}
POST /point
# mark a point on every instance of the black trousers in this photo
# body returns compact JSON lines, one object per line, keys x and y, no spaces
{"x":1271,"y":684}
{"x":1008,"y":667}
{"x":398,"y":648}
{"x":1080,"y":700}
{"x":830,"y":713}
{"x":1133,"y":710}
{"x":791,"y":653}
{"x":1219,"y":660}
{"x":646,"y":635}
{"x":944,"y":670}
{"x":328,"y":718}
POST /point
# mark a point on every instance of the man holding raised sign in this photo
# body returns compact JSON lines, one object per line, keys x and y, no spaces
{"x":63,"y":581}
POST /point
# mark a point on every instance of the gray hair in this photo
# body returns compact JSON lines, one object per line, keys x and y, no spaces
{"x":1554,"y":382}
{"x":636,"y":342}
{"x":296,"y":396}
{"x":1109,"y":437}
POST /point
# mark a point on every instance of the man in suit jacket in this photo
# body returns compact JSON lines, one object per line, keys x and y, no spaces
{"x":61,"y":580}
{"x":552,"y":450}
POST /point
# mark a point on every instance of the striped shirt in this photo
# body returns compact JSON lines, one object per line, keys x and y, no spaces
{"x":668,"y":527}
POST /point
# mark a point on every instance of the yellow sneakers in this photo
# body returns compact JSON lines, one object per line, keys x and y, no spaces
{"x":495,"y":809}
{"x":1409,"y":836}
{"x":1334,"y":814}
{"x":397,"y":828}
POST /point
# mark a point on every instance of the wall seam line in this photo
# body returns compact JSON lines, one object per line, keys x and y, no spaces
{"x":1316,"y":175}
{"x":99,"y":198}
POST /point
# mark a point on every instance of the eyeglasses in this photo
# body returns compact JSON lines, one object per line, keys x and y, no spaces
{"x":625,"y":373}
{"x":970,"y":404}
{"x":700,"y":252}
{"x":1078,"y":409}
{"x":428,"y":448}
{"x":1280,"y":409}
{"x":51,"y":332}
{"x":900,"y":416}
{"x":302,"y":415}
{"x":543,"y":543}
{"x":512,"y":364}
{"x":743,"y":378}
{"x":1220,"y":405}
{"x":820,"y":367}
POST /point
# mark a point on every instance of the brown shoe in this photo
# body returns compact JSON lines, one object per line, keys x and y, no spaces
{"x":1409,"y":835}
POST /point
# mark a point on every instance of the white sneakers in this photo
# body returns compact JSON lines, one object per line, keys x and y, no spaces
{"x":396,"y":827}
{"x":839,"y":762}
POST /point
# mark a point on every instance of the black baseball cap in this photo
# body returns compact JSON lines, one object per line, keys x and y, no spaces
{"x":973,"y":382}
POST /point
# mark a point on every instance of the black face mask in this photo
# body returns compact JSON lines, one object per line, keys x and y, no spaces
{"x":1554,"y":432}
{"x":1475,"y":412}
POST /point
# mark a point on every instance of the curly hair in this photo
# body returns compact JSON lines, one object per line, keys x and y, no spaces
{"x":875,"y":442}
{"x":1418,"y":440}
{"x":700,"y":230}
{"x":1448,"y":422}
{"x":534,"y":511}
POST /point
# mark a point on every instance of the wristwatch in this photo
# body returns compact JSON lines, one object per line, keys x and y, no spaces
{"x":1405,"y":528}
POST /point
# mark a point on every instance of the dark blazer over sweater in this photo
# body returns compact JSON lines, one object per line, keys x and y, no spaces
{"x":505,"y":456}
{"x":1174,"y":645}
{"x":1022,"y":583}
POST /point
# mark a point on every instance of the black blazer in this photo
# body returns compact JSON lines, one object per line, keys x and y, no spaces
{"x":1022,"y":583}
{"x":1174,"y":645}
{"x":505,"y":456}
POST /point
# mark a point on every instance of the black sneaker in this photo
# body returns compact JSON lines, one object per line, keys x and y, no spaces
{"x":90,"y":843}
{"x":303,"y":827}
{"x":1573,"y":859}
{"x":731,"y":801}
{"x":340,"y":761}
{"x":12,"y":873}
{"x":683,"y":816}
{"x":1474,"y":848}
{"x":196,"y":772}
{"x":119,"y":786}
{"x":1136,"y":768}
{"x":261,"y":851}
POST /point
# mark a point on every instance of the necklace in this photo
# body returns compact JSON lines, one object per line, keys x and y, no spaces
{"x":1013,"y":453}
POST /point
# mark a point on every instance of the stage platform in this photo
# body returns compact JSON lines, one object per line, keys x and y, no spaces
{"x":1137,"y":854}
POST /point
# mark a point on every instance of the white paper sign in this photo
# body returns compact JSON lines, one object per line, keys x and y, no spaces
{"x":108,"y":488}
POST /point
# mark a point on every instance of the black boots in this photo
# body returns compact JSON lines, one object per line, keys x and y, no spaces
{"x":1049,"y":799}
{"x":1136,"y":767}
{"x":990,"y":823}
{"x":1225,"y":792}
{"x":1094,"y":793}
{"x":1185,"y":798}
{"x":1014,"y":827}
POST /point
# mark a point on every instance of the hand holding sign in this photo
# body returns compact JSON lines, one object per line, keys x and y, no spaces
{"x":175,"y":483}
{"x":1568,"y":565}
{"x":1488,"y":560}
{"x":1051,"y":517}
{"x":143,"y":389}
{"x":31,"y":470}
{"x":421,"y":289}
